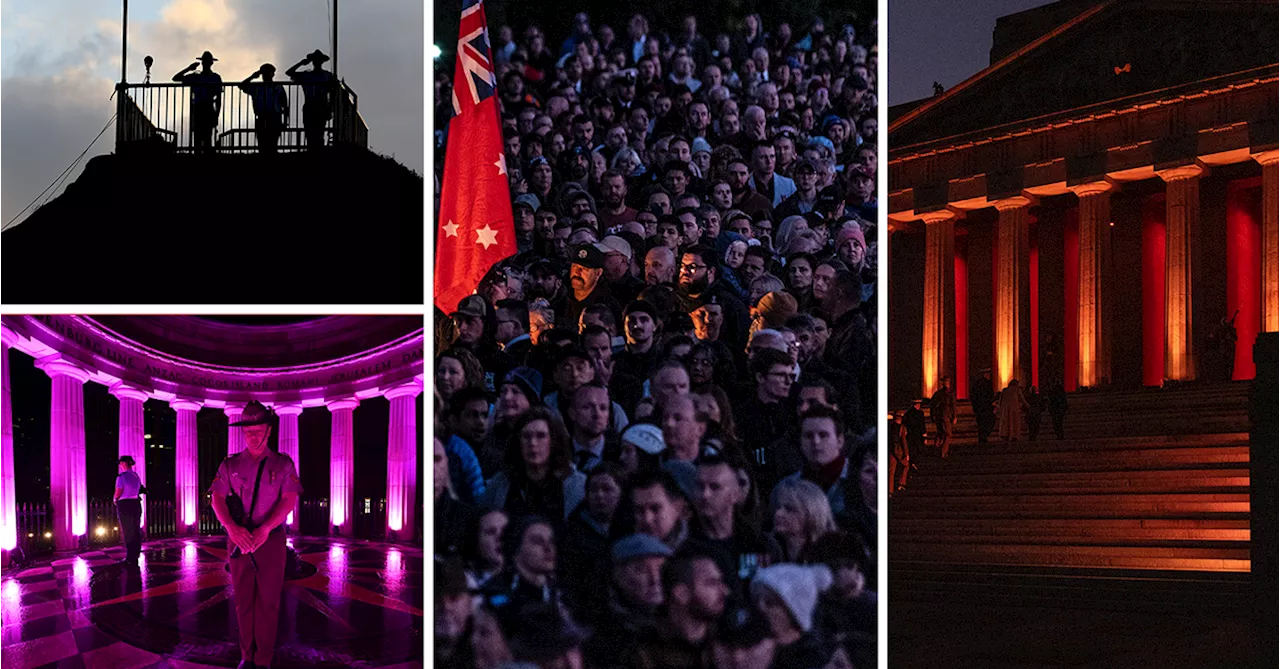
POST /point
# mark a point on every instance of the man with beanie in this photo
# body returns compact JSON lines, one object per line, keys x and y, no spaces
{"x":641,"y":355}
{"x":787,"y":595}
{"x":635,"y":595}
{"x":695,"y":594}
{"x":252,"y":494}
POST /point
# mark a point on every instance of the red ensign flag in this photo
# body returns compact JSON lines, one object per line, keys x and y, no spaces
{"x":475,"y":228}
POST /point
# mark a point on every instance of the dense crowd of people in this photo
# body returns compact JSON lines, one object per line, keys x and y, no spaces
{"x":655,"y":435}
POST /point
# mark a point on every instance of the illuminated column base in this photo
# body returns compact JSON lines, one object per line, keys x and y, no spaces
{"x":402,"y":461}
{"x":1011,"y":304}
{"x":289,"y":446}
{"x":8,"y":505}
{"x":342,"y":467}
{"x":1270,"y":240}
{"x":1095,"y":239}
{"x":939,"y":291}
{"x":132,"y":429}
{"x":68,"y":491}
{"x":187,"y":469}
{"x":235,"y":435}
{"x":1182,"y":214}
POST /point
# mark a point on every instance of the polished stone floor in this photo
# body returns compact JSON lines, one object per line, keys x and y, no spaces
{"x":350,"y":604}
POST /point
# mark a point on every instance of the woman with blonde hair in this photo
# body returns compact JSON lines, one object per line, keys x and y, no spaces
{"x":801,"y":516}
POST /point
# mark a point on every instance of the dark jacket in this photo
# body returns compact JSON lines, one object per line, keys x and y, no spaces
{"x":569,"y":310}
{"x":584,"y":564}
{"x":455,"y":525}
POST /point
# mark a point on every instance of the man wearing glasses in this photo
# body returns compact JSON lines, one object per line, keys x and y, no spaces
{"x":698,"y":279}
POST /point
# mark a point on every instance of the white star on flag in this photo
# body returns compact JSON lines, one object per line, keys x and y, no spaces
{"x":451,"y":230}
{"x":486,"y":236}
{"x":501,"y":163}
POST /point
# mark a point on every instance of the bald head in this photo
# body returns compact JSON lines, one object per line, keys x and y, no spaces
{"x":659,"y":266}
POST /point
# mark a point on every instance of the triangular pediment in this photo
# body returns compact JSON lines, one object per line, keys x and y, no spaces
{"x":1110,"y":51}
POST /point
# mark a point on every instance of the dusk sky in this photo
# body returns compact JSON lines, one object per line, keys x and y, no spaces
{"x":61,"y":59}
{"x":941,"y":40}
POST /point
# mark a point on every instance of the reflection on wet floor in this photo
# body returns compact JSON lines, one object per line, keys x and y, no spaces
{"x":345,"y":603}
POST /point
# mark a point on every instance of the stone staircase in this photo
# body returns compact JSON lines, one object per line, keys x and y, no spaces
{"x":1144,"y":504}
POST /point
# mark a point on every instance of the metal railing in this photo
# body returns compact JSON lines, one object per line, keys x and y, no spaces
{"x":161,"y":113}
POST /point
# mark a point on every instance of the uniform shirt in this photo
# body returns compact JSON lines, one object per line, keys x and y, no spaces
{"x":237,"y":473}
{"x":205,"y":87}
{"x":128,"y":483}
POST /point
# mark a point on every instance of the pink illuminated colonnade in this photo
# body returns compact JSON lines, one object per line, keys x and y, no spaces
{"x":402,"y":458}
{"x":132,"y":441}
{"x":342,"y":469}
{"x":67,"y":483}
{"x":186,"y":481}
{"x":289,"y":445}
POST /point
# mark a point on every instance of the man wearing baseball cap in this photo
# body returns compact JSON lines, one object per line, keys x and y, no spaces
{"x":635,"y":594}
{"x":624,"y":285}
{"x":252,"y":494}
{"x":129,"y":509}
{"x":471,"y":319}
{"x":585,"y":286}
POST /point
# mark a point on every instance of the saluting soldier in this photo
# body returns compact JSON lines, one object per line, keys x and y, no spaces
{"x":252,"y":495}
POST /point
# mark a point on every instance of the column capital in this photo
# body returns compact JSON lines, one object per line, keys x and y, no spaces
{"x":124,"y":391}
{"x":9,"y":337}
{"x":1015,"y":202}
{"x":1092,"y":188}
{"x":288,"y":409}
{"x":1268,"y":157}
{"x":233,"y":409}
{"x":56,"y":366}
{"x":1183,"y":172}
{"x":184,"y":405}
{"x":940,"y":216}
{"x":342,"y":403}
{"x":411,"y":389}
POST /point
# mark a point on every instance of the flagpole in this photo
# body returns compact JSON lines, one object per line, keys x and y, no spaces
{"x":124,"y":44}
{"x":335,"y":39}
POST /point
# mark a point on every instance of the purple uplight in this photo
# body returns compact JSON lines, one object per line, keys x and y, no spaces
{"x":342,"y":469}
{"x":8,"y":503}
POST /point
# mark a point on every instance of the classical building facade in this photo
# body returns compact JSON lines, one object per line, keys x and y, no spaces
{"x":1096,"y":207}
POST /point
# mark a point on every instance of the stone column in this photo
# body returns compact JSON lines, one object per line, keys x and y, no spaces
{"x":1012,"y":304}
{"x":1182,"y":234}
{"x":289,"y":446}
{"x":8,"y":505}
{"x":342,"y":467}
{"x":186,"y":481}
{"x":1094,"y":364}
{"x":235,"y":435}
{"x":402,"y":460}
{"x":68,"y":489}
{"x":1270,"y":240}
{"x":939,"y":299}
{"x":132,"y":429}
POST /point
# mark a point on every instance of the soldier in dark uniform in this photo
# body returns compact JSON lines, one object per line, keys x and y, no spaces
{"x":129,"y":509}
{"x":914,"y":423}
{"x":318,"y":87}
{"x":942,"y":408}
{"x":264,"y":484}
{"x":983,"y":399}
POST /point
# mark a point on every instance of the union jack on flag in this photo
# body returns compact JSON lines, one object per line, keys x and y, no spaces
{"x":475,"y":227}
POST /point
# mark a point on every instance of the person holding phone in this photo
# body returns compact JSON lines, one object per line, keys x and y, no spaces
{"x":252,"y":495}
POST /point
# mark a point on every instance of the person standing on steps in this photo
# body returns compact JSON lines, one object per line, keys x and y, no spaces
{"x":129,"y":509}
{"x":252,"y":495}
{"x":942,"y":408}
{"x":983,"y":399}
{"x":318,"y":87}
{"x":1012,"y":404}
{"x":206,"y":100}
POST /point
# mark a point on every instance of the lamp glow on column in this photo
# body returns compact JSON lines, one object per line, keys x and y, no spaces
{"x":402,"y":456}
{"x":341,"y":469}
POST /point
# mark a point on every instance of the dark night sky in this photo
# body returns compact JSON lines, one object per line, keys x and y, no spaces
{"x":941,"y":40}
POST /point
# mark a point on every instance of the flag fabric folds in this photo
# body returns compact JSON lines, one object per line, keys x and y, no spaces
{"x":475,"y":228}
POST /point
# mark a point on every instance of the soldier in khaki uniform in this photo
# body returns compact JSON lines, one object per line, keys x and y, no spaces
{"x":266,"y":485}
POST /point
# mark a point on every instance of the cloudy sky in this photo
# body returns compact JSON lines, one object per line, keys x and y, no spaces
{"x":59,"y":61}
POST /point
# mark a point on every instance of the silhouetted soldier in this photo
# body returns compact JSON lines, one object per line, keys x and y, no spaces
{"x":1056,"y":402}
{"x":252,"y":495}
{"x":318,"y":88}
{"x":270,"y":107}
{"x":206,"y":100}
{"x":899,"y":453}
{"x":942,"y":408}
{"x":129,"y":509}
{"x":913,"y":421}
{"x":983,"y":398}
{"x":1035,"y":409}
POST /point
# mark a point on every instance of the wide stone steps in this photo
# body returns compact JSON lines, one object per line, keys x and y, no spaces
{"x":1118,"y":513}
